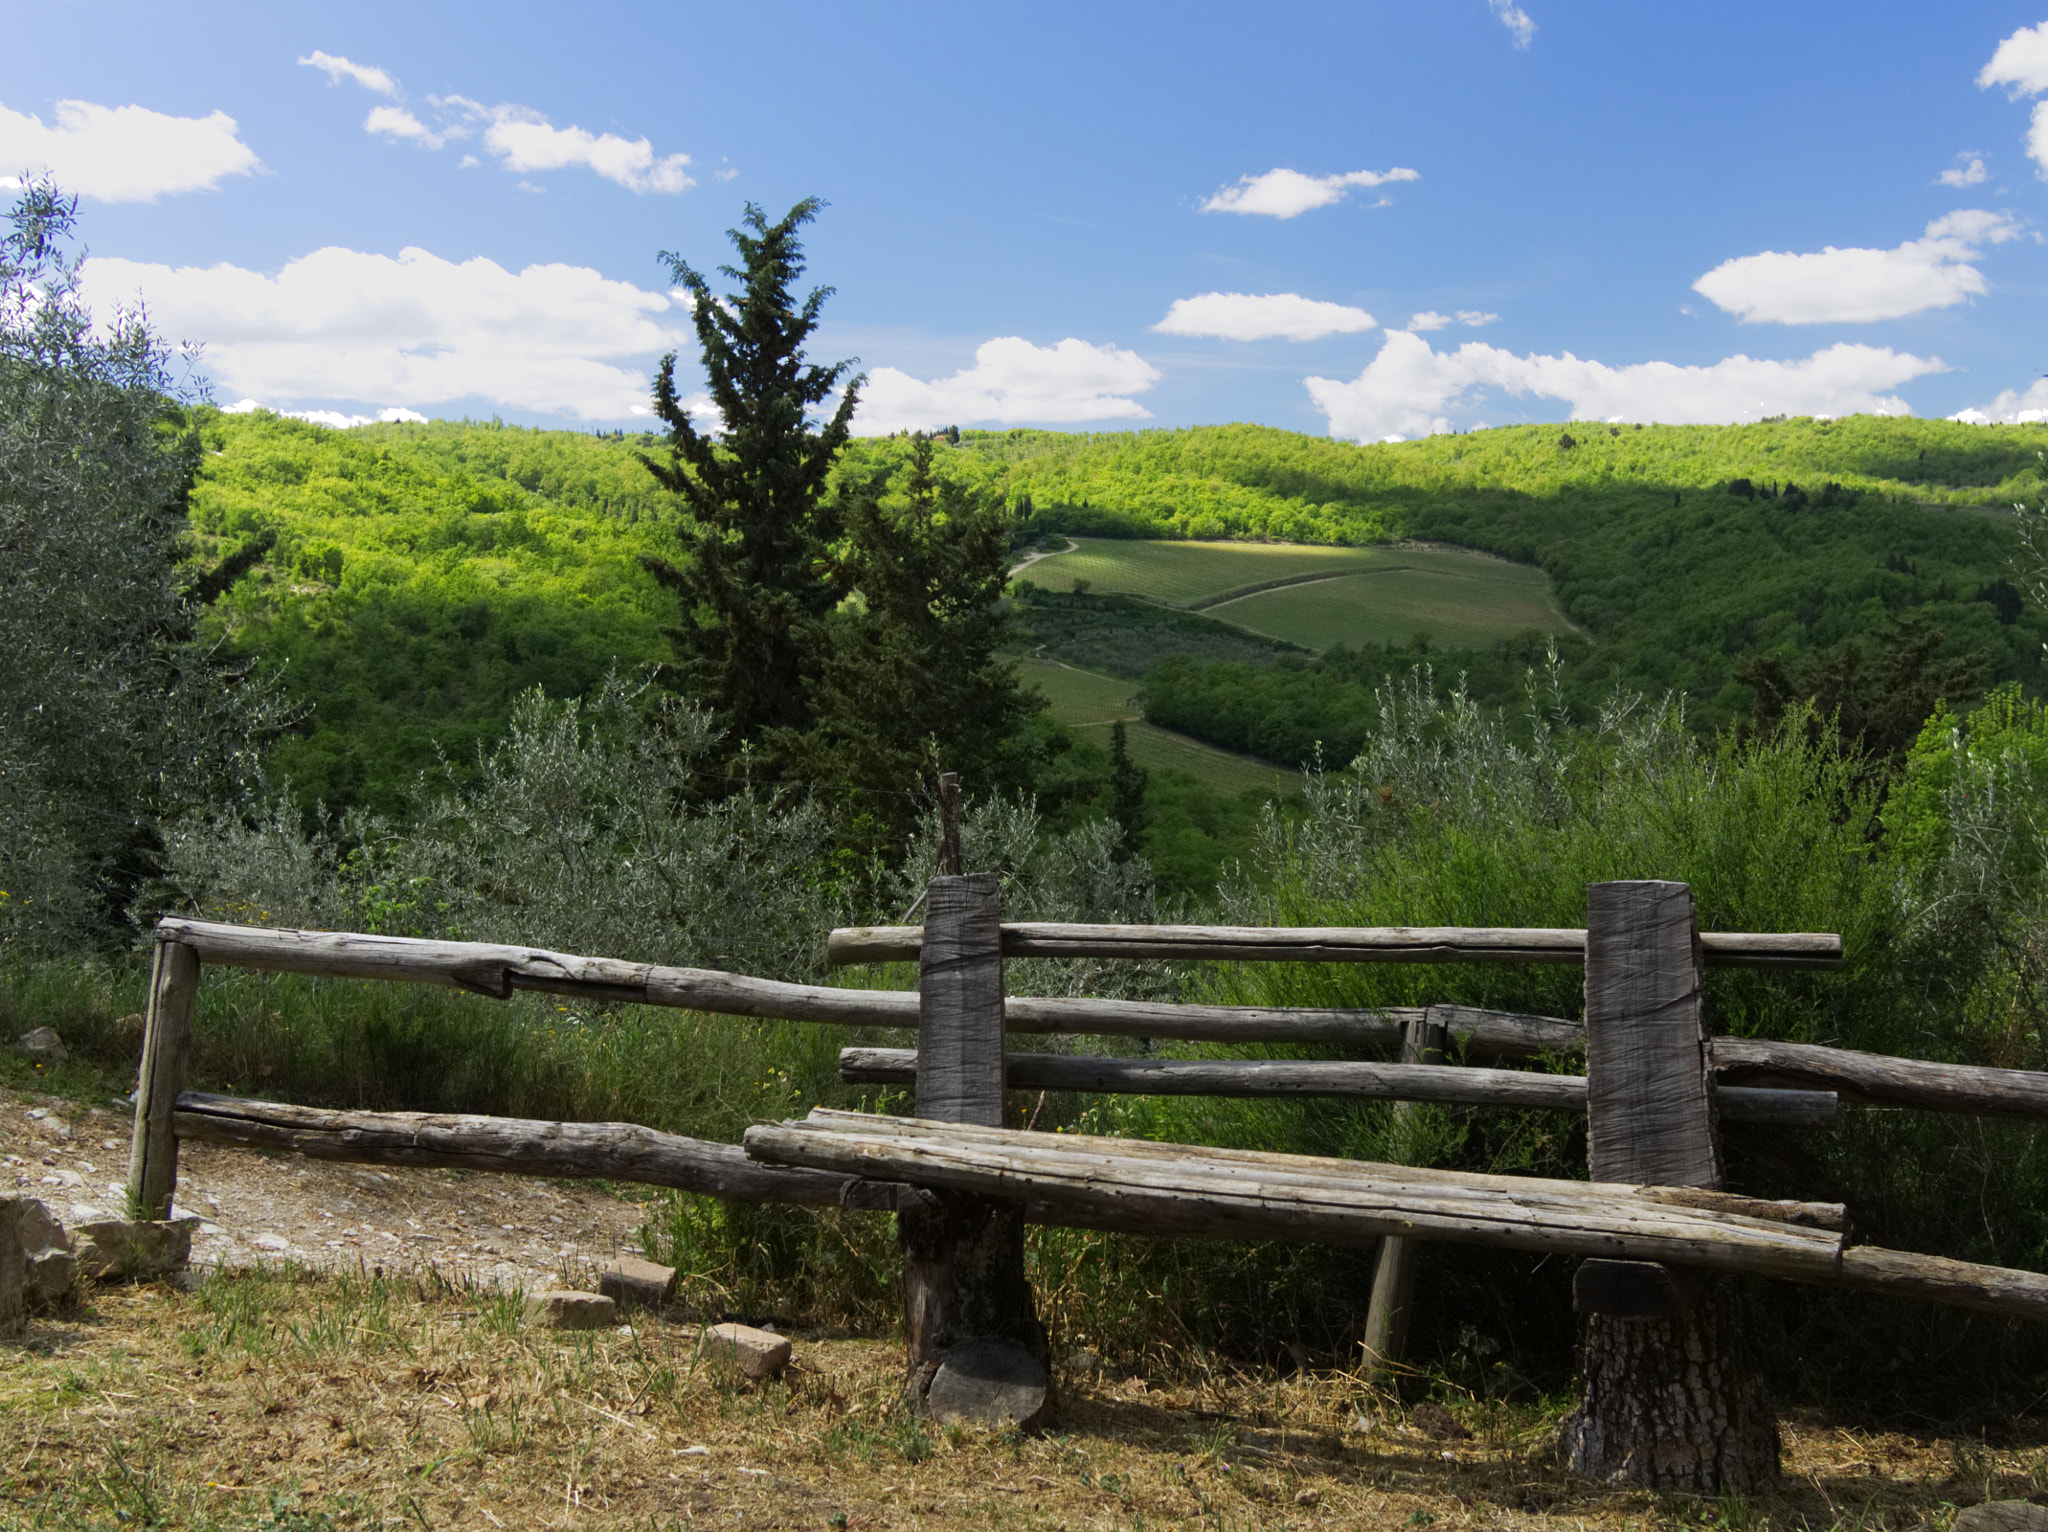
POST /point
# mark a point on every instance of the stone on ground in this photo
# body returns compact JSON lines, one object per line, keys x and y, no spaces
{"x":990,"y":1383}
{"x":46,"y":1248}
{"x":560,"y":1309}
{"x":2003,"y":1516}
{"x":749,"y":1352}
{"x":138,"y":1250}
{"x":630,"y":1280}
{"x":43,"y":1046}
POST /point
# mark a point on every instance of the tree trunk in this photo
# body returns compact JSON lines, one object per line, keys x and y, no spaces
{"x":1672,"y":1403}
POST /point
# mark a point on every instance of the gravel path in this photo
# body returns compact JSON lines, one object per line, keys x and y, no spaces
{"x":504,"y":1231}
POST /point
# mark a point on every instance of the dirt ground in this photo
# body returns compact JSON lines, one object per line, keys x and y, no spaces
{"x":506,"y":1231}
{"x":356,"y":1357}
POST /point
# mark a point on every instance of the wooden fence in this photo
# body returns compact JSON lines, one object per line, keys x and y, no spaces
{"x":1654,"y":1219}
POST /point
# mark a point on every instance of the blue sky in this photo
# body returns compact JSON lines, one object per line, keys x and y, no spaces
{"x":1365,"y":219}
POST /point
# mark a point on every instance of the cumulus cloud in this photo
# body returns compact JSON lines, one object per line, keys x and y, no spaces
{"x":1262,"y":316}
{"x":2011,"y":408}
{"x":1855,"y":285}
{"x":525,"y":142}
{"x":1430,"y":319}
{"x":1408,"y":388}
{"x":1289,"y":193}
{"x":1515,"y":19}
{"x":336,"y":420}
{"x":1972,"y":174}
{"x":337,"y":68}
{"x":125,"y":153}
{"x":412,"y":331}
{"x":1012,"y":382}
{"x":2021,"y":63}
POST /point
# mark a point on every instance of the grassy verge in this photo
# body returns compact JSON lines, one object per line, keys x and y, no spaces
{"x":282,"y":1400}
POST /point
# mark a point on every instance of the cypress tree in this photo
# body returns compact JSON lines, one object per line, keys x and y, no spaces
{"x":1127,"y":781}
{"x":756,"y":579}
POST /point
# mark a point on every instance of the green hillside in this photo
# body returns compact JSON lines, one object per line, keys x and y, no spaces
{"x":424,"y":575}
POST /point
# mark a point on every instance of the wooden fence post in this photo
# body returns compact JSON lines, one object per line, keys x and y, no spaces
{"x":1669,"y":1394}
{"x":1393,"y":1281}
{"x":974,"y":1346}
{"x":166,"y":1049}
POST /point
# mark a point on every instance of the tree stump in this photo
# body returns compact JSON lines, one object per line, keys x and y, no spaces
{"x":963,"y":1256}
{"x":1670,"y":1397}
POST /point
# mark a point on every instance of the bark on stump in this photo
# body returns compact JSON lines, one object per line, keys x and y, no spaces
{"x":1669,"y":1393}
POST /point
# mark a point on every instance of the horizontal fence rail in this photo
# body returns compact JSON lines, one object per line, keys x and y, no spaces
{"x":1242,"y":1194}
{"x":1330,"y":944}
{"x":1249,"y":1078}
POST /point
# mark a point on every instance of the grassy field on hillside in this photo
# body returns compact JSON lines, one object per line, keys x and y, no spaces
{"x":1089,"y":704}
{"x":1338,"y":595}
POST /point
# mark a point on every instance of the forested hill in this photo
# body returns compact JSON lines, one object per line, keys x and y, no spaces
{"x":423,"y":575}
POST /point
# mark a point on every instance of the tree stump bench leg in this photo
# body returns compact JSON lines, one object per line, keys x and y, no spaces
{"x":1669,"y":1393}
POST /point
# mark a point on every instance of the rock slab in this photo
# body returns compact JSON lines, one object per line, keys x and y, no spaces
{"x":2003,"y":1516}
{"x":133,"y":1250}
{"x":43,"y":1046}
{"x":46,"y":1249}
{"x":630,"y":1281}
{"x":990,"y":1383}
{"x":749,"y":1352}
{"x":560,"y":1309}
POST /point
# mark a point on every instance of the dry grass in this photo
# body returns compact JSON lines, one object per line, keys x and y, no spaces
{"x":288,"y":1400}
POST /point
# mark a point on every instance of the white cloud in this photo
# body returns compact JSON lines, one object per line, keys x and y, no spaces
{"x":335,"y":67}
{"x":2021,"y":62}
{"x":1408,"y":388}
{"x":1855,"y":285}
{"x":412,"y":331}
{"x":1515,"y":19}
{"x":1972,"y":174}
{"x":333,"y":419}
{"x":395,"y":122}
{"x":1262,"y":316}
{"x":1288,"y":193}
{"x":525,"y":142}
{"x":125,"y":153}
{"x":2011,"y":408}
{"x":1430,"y":319}
{"x":1012,"y":381}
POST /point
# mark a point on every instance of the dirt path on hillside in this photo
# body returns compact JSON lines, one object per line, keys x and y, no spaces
{"x":504,"y":1231}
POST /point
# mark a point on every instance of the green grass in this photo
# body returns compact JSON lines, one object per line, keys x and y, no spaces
{"x":1344,"y":595}
{"x":1090,"y":704}
{"x":1183,"y":574}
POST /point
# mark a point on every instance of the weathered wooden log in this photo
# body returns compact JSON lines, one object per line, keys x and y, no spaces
{"x":1223,"y":1023}
{"x":166,"y":1050}
{"x":1266,"y":1165}
{"x":1333,"y":944}
{"x":1195,"y":1191}
{"x":1669,"y":1393}
{"x":1877,"y":1080}
{"x":1199,"y":1192}
{"x":1251,"y":1078}
{"x":612,"y":1151}
{"x":1509,"y":1034}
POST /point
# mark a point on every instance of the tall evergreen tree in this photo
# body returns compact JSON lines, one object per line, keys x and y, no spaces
{"x":1127,"y":780}
{"x":909,"y":672}
{"x":757,"y":576}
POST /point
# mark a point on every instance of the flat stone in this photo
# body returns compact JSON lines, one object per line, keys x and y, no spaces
{"x":563,"y":1310}
{"x":40,"y":1229}
{"x":630,"y":1280}
{"x":2003,"y":1516}
{"x":120,"y":1249}
{"x":50,"y":1275}
{"x":747,"y":1351}
{"x":990,"y":1383}
{"x":43,"y":1046}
